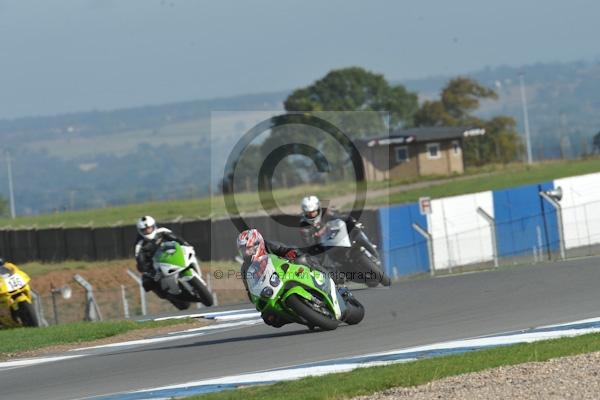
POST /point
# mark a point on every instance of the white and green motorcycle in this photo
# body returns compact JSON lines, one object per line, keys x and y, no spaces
{"x":180,"y":276}
{"x":299,"y":293}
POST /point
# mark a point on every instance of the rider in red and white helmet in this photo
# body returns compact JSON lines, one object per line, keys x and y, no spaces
{"x":252,"y":247}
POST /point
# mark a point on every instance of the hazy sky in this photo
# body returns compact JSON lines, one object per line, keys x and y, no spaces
{"x":64,"y":56}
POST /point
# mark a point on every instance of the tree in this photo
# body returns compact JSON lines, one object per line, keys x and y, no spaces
{"x":596,"y":143}
{"x":501,"y":143}
{"x":458,"y":100}
{"x":336,"y":98}
{"x":355,"y":89}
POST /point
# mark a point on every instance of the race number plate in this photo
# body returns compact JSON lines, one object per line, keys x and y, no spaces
{"x":14,"y":282}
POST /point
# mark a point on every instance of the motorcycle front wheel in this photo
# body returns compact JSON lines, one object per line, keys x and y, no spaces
{"x":25,"y":313}
{"x":312,"y":317}
{"x":204,"y":295}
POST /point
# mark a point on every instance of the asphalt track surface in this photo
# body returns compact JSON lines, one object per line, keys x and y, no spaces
{"x":407,"y":314}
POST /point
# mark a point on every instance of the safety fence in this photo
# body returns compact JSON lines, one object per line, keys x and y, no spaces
{"x":213,"y":239}
{"x":91,"y":300}
{"x":546,"y":221}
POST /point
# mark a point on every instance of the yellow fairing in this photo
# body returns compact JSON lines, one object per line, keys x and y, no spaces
{"x":14,"y":289}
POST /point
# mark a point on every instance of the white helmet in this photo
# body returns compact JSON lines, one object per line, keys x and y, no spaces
{"x":311,"y":209}
{"x":146,"y":226}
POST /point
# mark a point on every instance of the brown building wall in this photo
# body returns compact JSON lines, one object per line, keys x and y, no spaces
{"x":399,"y":170}
{"x":429,"y":166}
{"x":446,"y":164}
{"x":456,"y":161}
{"x":375,"y":163}
{"x":380,"y":162}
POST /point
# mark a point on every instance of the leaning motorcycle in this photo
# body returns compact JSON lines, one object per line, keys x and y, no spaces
{"x":180,"y":276}
{"x":351,"y":254}
{"x":298,"y":293}
{"x":15,"y":298}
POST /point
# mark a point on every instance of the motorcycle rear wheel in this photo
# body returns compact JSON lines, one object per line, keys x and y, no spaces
{"x":314,"y":318}
{"x":356,"y":312}
{"x":372,"y":269}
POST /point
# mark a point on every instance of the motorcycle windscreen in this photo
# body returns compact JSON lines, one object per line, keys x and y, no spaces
{"x":170,"y":253}
{"x":335,"y":234}
{"x":259,"y":274}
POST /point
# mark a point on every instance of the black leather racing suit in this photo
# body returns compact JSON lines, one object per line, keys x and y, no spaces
{"x":144,"y":251}
{"x":292,"y":254}
{"x":280,"y":250}
{"x":311,"y":233}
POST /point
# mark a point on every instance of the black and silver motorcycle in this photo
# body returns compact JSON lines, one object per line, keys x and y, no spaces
{"x":351,"y":256}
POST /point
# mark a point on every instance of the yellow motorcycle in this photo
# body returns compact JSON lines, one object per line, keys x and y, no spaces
{"x":16,"y":306}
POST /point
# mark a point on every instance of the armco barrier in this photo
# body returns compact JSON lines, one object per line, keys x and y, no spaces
{"x":109,"y":243}
{"x":212,"y":239}
{"x":80,"y":244}
{"x":404,"y":251}
{"x":581,"y":210}
{"x":525,"y":222}
{"x":24,"y":244}
{"x":5,"y":250}
{"x":197,"y":233}
{"x":458,"y":230}
{"x":51,"y":244}
{"x":525,"y":226}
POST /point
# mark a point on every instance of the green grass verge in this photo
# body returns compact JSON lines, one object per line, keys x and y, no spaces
{"x":170,"y":210}
{"x":496,"y":177}
{"x":512,"y":176}
{"x":366,"y":381}
{"x":25,"y":339}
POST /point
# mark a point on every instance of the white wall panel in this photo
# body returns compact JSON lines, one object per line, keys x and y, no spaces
{"x":460,"y":235}
{"x":581,"y":209}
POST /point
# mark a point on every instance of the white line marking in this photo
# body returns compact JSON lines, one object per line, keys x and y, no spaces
{"x":33,"y":361}
{"x":583,"y":321}
{"x":220,"y":315}
{"x":179,"y":317}
{"x":139,"y":342}
{"x":221,"y":326}
{"x":346,"y":364}
{"x":243,"y":310}
{"x":247,"y":315}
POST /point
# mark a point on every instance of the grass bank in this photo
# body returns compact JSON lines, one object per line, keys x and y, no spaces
{"x":488,"y":177}
{"x":500,"y":178}
{"x":26,"y":339}
{"x":370,"y":380}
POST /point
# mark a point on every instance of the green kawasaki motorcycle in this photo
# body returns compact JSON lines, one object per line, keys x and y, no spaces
{"x":180,"y":275}
{"x":300,"y":294}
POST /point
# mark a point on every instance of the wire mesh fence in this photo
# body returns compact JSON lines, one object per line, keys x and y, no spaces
{"x":527,"y":239}
{"x":124,"y":300}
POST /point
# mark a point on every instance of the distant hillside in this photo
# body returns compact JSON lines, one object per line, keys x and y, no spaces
{"x":563,"y":102}
{"x":94,"y":123}
{"x":97,"y":159}
{"x":101,"y":158}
